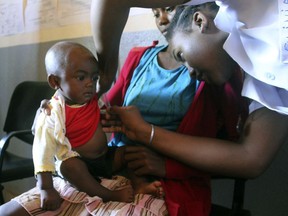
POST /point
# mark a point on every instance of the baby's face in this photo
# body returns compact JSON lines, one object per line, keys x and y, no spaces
{"x":78,"y":85}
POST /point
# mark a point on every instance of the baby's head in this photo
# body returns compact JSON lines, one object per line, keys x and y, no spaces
{"x":72,"y":69}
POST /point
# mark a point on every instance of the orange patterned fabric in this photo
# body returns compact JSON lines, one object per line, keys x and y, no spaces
{"x":80,"y":204}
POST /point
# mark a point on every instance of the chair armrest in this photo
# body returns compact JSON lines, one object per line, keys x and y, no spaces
{"x":4,"y":142}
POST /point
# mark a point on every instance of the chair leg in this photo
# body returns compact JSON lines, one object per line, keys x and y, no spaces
{"x":1,"y":195}
{"x":238,"y":196}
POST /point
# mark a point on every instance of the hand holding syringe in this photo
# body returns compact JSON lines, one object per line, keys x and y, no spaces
{"x":108,"y":120}
{"x":107,"y":104}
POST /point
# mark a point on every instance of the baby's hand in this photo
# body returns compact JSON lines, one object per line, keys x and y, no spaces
{"x":45,"y":107}
{"x":50,"y":199}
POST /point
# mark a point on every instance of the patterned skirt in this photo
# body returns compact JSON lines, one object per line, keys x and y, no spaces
{"x":76,"y":203}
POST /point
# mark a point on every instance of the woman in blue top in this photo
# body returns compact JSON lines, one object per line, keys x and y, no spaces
{"x":162,"y":95}
{"x":161,"y":88}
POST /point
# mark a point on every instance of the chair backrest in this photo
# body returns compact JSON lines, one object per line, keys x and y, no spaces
{"x":23,"y":105}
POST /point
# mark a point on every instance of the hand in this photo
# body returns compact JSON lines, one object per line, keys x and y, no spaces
{"x":50,"y":199}
{"x":45,"y":107}
{"x":144,"y":161}
{"x":110,"y":121}
{"x":132,"y":124}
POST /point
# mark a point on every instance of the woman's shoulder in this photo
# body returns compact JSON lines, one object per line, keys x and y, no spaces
{"x":153,"y":50}
{"x":145,"y":49}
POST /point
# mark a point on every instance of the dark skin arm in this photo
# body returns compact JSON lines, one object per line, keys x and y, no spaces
{"x":108,"y":19}
{"x":263,"y":134}
{"x":144,"y":161}
{"x":50,"y":198}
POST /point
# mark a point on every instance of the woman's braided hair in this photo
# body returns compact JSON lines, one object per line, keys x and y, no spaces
{"x":184,"y":15}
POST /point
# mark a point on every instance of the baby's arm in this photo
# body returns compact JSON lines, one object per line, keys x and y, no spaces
{"x":44,"y":148}
{"x":50,"y":199}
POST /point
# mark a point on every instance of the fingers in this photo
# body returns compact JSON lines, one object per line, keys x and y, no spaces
{"x":132,"y":149}
{"x":110,"y":123}
{"x":140,"y":170}
{"x":138,"y":165}
{"x":114,"y":109}
{"x":45,"y":107}
{"x":106,"y":114}
{"x":132,"y":153}
{"x":136,"y":157}
{"x":135,"y":164}
{"x":112,"y":129}
{"x":138,"y":152}
{"x":50,"y":206}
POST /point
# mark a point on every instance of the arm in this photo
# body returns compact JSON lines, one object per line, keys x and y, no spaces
{"x":263,"y":134}
{"x":144,"y":161}
{"x":178,"y":170}
{"x":50,"y":199}
{"x":108,"y":19}
{"x":44,"y":164}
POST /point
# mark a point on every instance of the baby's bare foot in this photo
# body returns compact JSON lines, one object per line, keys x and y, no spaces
{"x":152,"y":188}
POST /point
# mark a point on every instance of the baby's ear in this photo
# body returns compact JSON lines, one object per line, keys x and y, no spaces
{"x":53,"y":81}
{"x":201,"y":21}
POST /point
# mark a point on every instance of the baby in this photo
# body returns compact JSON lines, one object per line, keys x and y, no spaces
{"x":72,"y":133}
